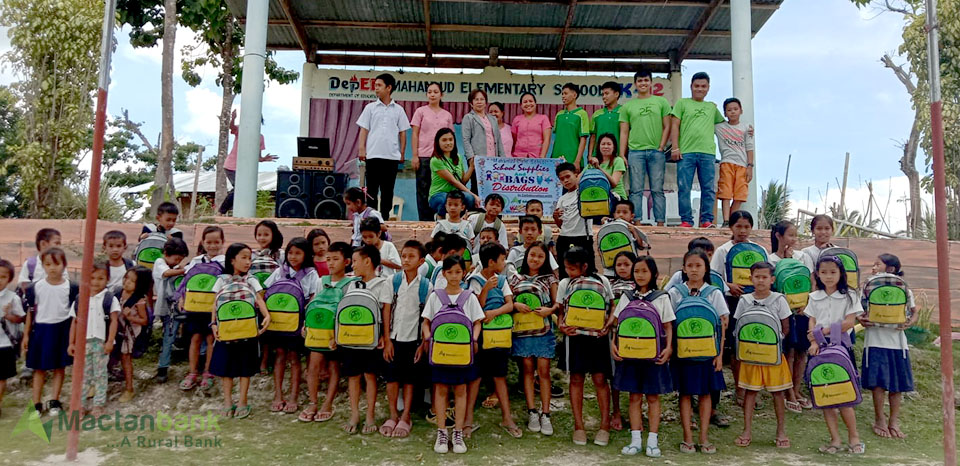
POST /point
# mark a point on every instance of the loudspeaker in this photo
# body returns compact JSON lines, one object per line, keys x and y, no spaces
{"x":326,"y":200}
{"x":293,"y":194}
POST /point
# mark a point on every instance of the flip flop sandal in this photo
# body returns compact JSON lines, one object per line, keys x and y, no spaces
{"x":742,"y":442}
{"x":794,"y":407}
{"x":829,"y":449}
{"x":350,"y":429}
{"x":243,"y":412}
{"x":687,"y":447}
{"x":782,"y":443}
{"x":708,"y":449}
{"x":189,"y":382}
{"x":207,"y":382}
{"x":277,"y":406}
{"x":490,"y":402}
{"x":324,"y":416}
{"x":514,"y":431}
{"x":402,"y":430}
{"x":368,"y":428}
{"x":386,"y":429}
{"x":881,"y":431}
{"x":630,"y":450}
{"x":895,"y":432}
{"x":290,"y":407}
{"x":228,"y":412}
{"x":857,"y":448}
{"x":653,"y":452}
{"x":308,"y":414}
{"x":616,"y":422}
{"x":469,"y":430}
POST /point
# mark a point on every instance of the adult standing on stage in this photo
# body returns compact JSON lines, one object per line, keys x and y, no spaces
{"x":644,"y":131}
{"x":427,"y":120}
{"x":481,"y":135}
{"x":531,"y":130}
{"x":230,"y":164}
{"x":383,"y":140}
{"x":506,"y":135}
{"x":447,"y":174}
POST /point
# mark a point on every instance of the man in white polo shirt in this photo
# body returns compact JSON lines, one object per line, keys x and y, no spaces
{"x":383,"y":139}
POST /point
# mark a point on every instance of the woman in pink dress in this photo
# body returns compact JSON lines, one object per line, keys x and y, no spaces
{"x":506,"y":133}
{"x":426,"y":121}
{"x":531,"y":130}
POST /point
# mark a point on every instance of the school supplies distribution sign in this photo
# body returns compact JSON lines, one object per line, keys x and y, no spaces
{"x":518,"y":181}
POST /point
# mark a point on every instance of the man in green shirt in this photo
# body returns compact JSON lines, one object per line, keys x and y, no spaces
{"x":607,"y":119}
{"x":694,"y":149}
{"x":571,"y":127}
{"x":644,"y":128}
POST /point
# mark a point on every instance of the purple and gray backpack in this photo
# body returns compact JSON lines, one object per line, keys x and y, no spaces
{"x":831,"y":374}
{"x":451,"y":343}
{"x":285,"y":301}
{"x":640,"y":332}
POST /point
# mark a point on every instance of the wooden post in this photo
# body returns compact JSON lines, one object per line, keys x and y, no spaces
{"x":196,"y":182}
{"x":843,"y":189}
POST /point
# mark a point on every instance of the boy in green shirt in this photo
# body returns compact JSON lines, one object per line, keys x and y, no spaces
{"x":571,"y":127}
{"x":607,"y":119}
{"x":644,"y":129}
{"x":695,"y":150}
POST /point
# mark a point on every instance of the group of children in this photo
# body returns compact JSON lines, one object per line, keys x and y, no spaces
{"x":455,"y":312}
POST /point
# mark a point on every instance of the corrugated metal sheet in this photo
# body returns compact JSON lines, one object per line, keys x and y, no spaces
{"x":620,"y":45}
{"x":498,"y":14}
{"x":644,"y":16}
{"x":397,"y":11}
{"x":367,"y":38}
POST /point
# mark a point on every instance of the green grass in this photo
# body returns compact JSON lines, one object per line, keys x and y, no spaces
{"x":267,"y":438}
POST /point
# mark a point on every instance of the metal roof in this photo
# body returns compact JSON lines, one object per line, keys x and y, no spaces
{"x":520,"y":34}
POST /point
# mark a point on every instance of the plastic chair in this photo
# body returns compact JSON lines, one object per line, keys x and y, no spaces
{"x":396,"y":213}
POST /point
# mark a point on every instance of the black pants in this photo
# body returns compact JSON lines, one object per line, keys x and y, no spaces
{"x":227,"y":204}
{"x":424,"y":178}
{"x":564,"y":243}
{"x":381,"y":176}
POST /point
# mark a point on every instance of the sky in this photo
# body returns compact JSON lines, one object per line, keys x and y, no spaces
{"x":819,"y":89}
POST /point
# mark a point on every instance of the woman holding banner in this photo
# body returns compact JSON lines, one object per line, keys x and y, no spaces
{"x":427,"y":120}
{"x":481,"y":134}
{"x":531,"y":130}
{"x":447,"y":173}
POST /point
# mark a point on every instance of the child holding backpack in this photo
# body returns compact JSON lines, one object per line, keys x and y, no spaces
{"x":197,"y":324}
{"x":585,"y":328}
{"x":237,"y":359}
{"x":11,"y":314}
{"x":451,"y":300}
{"x":622,"y":283}
{"x":100,"y":335}
{"x":821,"y":226}
{"x":698,"y":363}
{"x":136,"y":292}
{"x":834,"y":302}
{"x":651,"y":377}
{"x":297,"y":269}
{"x":886,"y":359}
{"x":165,"y":272}
{"x":773,"y":376}
{"x":357,"y":210}
{"x":269,"y":240}
{"x":535,"y":289}
{"x":323,"y":358}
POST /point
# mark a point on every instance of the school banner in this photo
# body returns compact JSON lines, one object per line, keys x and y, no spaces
{"x":518,"y":181}
{"x":499,"y":83}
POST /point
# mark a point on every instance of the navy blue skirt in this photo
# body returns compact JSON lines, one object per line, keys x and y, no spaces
{"x":8,"y":362}
{"x":197,"y":323}
{"x":797,"y":338}
{"x":454,"y":375}
{"x":645,"y":377}
{"x":696,"y":378}
{"x":235,"y":359}
{"x":888,"y":369}
{"x":47,"y":348}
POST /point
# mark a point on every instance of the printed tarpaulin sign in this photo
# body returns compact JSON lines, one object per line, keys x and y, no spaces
{"x":518,"y":181}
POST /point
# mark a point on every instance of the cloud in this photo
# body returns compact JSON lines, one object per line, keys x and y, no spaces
{"x":203,"y":107}
{"x":282,"y":103}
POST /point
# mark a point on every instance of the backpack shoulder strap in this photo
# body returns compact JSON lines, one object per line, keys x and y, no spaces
{"x":478,"y":225}
{"x":424,"y":290}
{"x":107,"y":304}
{"x":397,"y":280}
{"x":462,"y":298}
{"x":654,"y":295}
{"x":31,"y":267}
{"x":74,"y":294}
{"x":30,"y":298}
{"x":818,"y":336}
{"x":682,"y":288}
{"x":707,"y":290}
{"x":443,"y":297}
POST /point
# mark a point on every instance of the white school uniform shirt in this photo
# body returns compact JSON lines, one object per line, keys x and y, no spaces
{"x":715,"y":299}
{"x":9,"y":298}
{"x":813,"y":254}
{"x":677,"y":278}
{"x":773,"y":258}
{"x":573,"y":224}
{"x":96,"y":323}
{"x":501,"y":233}
{"x":384,"y":123}
{"x":517,"y":253}
{"x":405,"y":325}
{"x":116,"y":276}
{"x":53,"y":302}
{"x":159,"y":268}
{"x":38,"y":273}
{"x":461,"y":228}
{"x":471,"y":308}
{"x":662,"y":304}
{"x":776,"y":303}
{"x":425,"y":266}
{"x":355,"y":239}
{"x":203,"y":258}
{"x":310,"y":281}
{"x":476,"y":287}
{"x":886,"y":337}
{"x":833,"y":308}
{"x":252,"y":282}
{"x":388,"y":251}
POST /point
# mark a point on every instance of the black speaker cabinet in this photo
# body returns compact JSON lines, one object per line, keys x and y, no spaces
{"x":327,"y":191}
{"x":293,"y":194}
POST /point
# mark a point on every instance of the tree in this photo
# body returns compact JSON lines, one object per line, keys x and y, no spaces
{"x":908,"y":162}
{"x":914,"y":49}
{"x":164,"y":175}
{"x":775,"y":204}
{"x":55,"y":52}
{"x":10,"y":128}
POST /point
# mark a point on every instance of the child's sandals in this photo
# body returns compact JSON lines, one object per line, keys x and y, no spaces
{"x":687,"y":447}
{"x":630,"y":450}
{"x":829,"y":449}
{"x":207,"y":382}
{"x":653,"y":452}
{"x":782,"y":443}
{"x":369,"y":428}
{"x":228,"y":412}
{"x":243,"y":412}
{"x":189,"y":382}
{"x":402,"y":430}
{"x":324,"y":416}
{"x":742,"y":441}
{"x":708,"y":448}
{"x":308,"y":414}
{"x":857,"y":448}
{"x":794,"y":407}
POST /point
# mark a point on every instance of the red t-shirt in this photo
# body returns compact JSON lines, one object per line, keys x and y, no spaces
{"x":322,"y":268}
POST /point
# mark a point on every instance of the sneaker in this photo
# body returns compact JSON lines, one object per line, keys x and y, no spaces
{"x":162,"y":375}
{"x":534,"y":421}
{"x":54,"y":407}
{"x":546,"y":427}
{"x":458,"y":445}
{"x":686,"y":225}
{"x":706,"y":225}
{"x":37,"y":411}
{"x":440,"y":446}
{"x":556,"y":391}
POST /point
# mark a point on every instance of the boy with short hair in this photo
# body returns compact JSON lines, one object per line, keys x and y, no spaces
{"x":535,"y":207}
{"x":644,"y":131}
{"x":452,"y":245}
{"x":753,"y":378}
{"x":383,"y":140}
{"x":493,"y":205}
{"x":389,"y":257}
{"x":433,"y":255}
{"x":694,"y":149}
{"x":623,"y":214}
{"x":114,"y":245}
{"x":165,"y":271}
{"x":570,"y":128}
{"x":32,"y":271}
{"x":530,"y":232}
{"x":410,"y":291}
{"x":607,"y":118}
{"x":364,"y":362}
{"x":735,"y":140}
{"x":167,"y":213}
{"x":574,"y":229}
{"x":454,"y":222}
